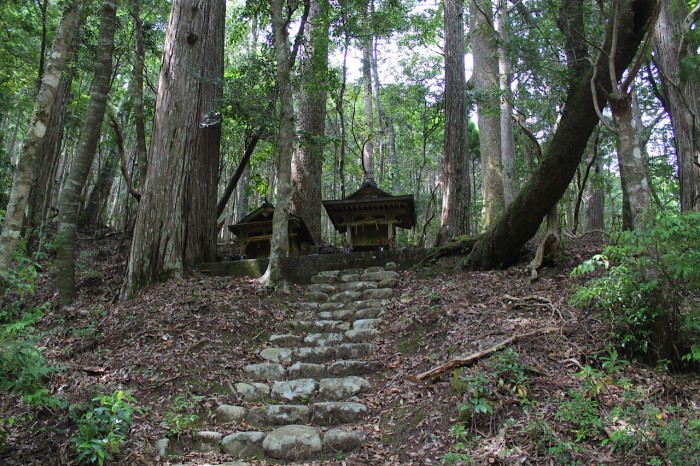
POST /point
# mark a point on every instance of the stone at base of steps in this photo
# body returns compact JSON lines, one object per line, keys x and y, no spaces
{"x":303,"y":401}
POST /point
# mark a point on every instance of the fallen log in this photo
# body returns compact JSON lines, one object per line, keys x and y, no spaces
{"x":461,"y":362}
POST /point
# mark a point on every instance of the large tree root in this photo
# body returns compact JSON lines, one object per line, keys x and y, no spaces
{"x":459,"y":246}
{"x":461,"y":362}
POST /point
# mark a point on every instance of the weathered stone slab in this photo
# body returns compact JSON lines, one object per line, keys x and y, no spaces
{"x":278,"y":415}
{"x":369,"y":313}
{"x":388,"y":283}
{"x":340,"y":314}
{"x":253,"y":392}
{"x":379,"y":293}
{"x":316,"y":296}
{"x":357,"y":286}
{"x":366,"y":323}
{"x":265,"y":370}
{"x":350,"y":277}
{"x":346,"y":296}
{"x":278,"y":355}
{"x":230,"y":413}
{"x":301,"y":370}
{"x":373,"y":269}
{"x":342,"y":440}
{"x":353,"y":350}
{"x":244,"y":444}
{"x":293,"y":443}
{"x":325,"y":339}
{"x":342,"y":388}
{"x":285,"y":340}
{"x":331,"y":325}
{"x":391,"y":266}
{"x":161,"y":446}
{"x":366,"y":303}
{"x":294,"y":390}
{"x":354,"y":367}
{"x":322,"y":288}
{"x":330,"y":306}
{"x":380,"y":275}
{"x":361,"y":335}
{"x":331,"y":413}
{"x":314,"y":354}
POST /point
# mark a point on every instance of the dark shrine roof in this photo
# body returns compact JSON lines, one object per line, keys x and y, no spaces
{"x":260,"y":220}
{"x":370,"y":202}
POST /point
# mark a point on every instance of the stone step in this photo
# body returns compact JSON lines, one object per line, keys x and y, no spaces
{"x":339,"y":314}
{"x":358,"y":286}
{"x":331,"y":413}
{"x":370,"y":313}
{"x":265,"y":371}
{"x":366,"y":324}
{"x":325,"y":339}
{"x":309,"y":389}
{"x":278,"y":415}
{"x":353,"y":367}
{"x":319,"y":326}
{"x":288,"y":443}
{"x":316,"y":354}
{"x":367,"y":303}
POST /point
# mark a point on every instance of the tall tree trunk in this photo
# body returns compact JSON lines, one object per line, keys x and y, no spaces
{"x":176,"y":221}
{"x":501,"y":243}
{"x":24,"y":176}
{"x":46,"y":167}
{"x":308,"y":157}
{"x":508,"y":157}
{"x":456,"y":192}
{"x":636,"y":194}
{"x":274,"y":275}
{"x":387,"y":138}
{"x":70,"y":200}
{"x":97,"y":202}
{"x":139,"y":57}
{"x":368,"y":144}
{"x":682,"y":96}
{"x":42,"y":5}
{"x":487,"y":83}
{"x":595,"y":195}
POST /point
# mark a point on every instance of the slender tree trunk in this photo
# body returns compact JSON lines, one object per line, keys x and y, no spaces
{"x":308,"y":157}
{"x":70,"y":200}
{"x":139,"y":57}
{"x":456,"y":192}
{"x":97,"y":202}
{"x":46,"y":167}
{"x":595,"y":194}
{"x":387,"y":138}
{"x":636,"y":195}
{"x":42,"y":5}
{"x":508,"y":157}
{"x":176,"y":221}
{"x":502,"y":242}
{"x":24,"y":176}
{"x":682,"y":96}
{"x":368,"y":145}
{"x":274,"y":275}
{"x":487,"y":83}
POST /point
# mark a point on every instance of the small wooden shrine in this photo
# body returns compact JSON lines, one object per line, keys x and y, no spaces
{"x":370,"y":216}
{"x":255,"y":230}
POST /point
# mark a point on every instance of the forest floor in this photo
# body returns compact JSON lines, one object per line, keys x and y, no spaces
{"x":554,"y":398}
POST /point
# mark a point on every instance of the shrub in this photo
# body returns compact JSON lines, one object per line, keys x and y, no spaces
{"x":650,"y":288}
{"x":103,"y":427}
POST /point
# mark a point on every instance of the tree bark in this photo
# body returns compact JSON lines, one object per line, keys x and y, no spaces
{"x":139,"y":58}
{"x":682,"y":96}
{"x":93,"y":215}
{"x":176,"y":222}
{"x":636,"y":194}
{"x":456,"y":191}
{"x":307,"y":159}
{"x":501,"y":244}
{"x":508,"y":156}
{"x":368,"y":144}
{"x":487,"y":84}
{"x":70,"y":200}
{"x":274,"y":275}
{"x":24,"y":176}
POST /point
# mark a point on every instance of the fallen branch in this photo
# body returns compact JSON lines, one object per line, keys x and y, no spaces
{"x":461,"y":362}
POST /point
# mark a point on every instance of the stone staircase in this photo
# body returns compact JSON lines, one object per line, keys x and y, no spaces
{"x":304,"y":400}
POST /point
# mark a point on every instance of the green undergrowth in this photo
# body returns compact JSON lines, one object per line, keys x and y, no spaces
{"x":602,"y":410}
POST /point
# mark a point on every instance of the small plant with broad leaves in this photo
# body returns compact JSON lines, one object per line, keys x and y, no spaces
{"x":182,"y":417}
{"x":650,"y":288}
{"x":103,"y":427}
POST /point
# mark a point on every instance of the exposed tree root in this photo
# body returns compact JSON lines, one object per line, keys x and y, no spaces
{"x":460,"y":246}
